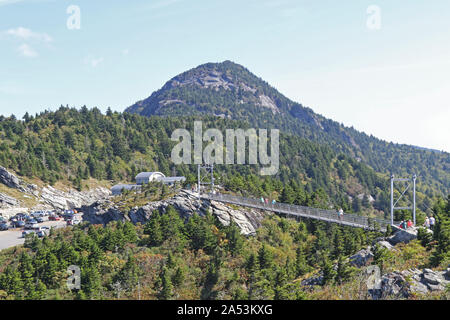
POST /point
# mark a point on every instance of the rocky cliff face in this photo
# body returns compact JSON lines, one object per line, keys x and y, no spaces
{"x":71,"y":199}
{"x":11,"y":181}
{"x":411,"y":282}
{"x":186,"y":203}
{"x":7,"y":201}
{"x":47,"y":197}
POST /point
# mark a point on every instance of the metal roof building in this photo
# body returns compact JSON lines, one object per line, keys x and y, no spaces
{"x":173,"y":180}
{"x":117,"y":189}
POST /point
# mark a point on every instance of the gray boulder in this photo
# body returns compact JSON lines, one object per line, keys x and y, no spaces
{"x":434,"y":280}
{"x":7,"y":201}
{"x":12,"y":181}
{"x":71,"y":199}
{"x":394,"y":285}
{"x":8,"y":179}
{"x":404,"y":236}
{"x":386,"y":245}
{"x":361,"y":258}
{"x":316,"y":280}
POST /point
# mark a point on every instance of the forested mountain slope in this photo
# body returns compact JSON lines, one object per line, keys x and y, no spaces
{"x":72,"y":145}
{"x":230,"y":90}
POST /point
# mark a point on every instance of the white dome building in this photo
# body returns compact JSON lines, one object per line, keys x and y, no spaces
{"x":147,"y":177}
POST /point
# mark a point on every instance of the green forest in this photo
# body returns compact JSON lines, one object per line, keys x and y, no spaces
{"x":239,"y":99}
{"x":73,"y":146}
{"x":199,"y":258}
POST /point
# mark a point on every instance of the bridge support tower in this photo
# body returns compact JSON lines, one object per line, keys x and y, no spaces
{"x":410,"y":181}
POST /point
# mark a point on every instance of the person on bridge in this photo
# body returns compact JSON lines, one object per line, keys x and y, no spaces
{"x":341,"y":214}
{"x":409,"y":224}
{"x":432,"y":222}
{"x":426,"y":224}
{"x":262,"y":200}
{"x":273,"y":201}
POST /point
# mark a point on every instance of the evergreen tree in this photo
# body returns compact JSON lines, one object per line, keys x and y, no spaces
{"x":265,"y":257}
{"x":167,"y":287}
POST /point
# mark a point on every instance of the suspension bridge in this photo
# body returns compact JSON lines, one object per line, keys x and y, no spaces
{"x":290,"y":210}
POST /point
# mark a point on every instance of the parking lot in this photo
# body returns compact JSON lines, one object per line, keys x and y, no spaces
{"x":13,"y":237}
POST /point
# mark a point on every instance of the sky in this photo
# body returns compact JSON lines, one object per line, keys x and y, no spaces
{"x":380,"y":66}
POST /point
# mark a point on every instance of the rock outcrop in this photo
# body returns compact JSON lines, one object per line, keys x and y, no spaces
{"x":12,"y":181}
{"x":7,"y":201}
{"x":362,"y":258}
{"x":404,"y":236}
{"x":8,"y":179}
{"x":64,"y":200}
{"x":185,"y":202}
{"x":411,"y":282}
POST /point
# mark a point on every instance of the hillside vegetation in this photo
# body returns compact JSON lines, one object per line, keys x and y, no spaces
{"x":75,"y":146}
{"x":169,"y":258}
{"x":230,"y":90}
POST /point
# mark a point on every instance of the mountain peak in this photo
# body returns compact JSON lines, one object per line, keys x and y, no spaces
{"x":211,"y":88}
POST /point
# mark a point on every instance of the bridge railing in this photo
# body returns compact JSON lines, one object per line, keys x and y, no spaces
{"x":301,"y":211}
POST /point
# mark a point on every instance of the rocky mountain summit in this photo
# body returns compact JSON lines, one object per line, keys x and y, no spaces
{"x":227,"y":80}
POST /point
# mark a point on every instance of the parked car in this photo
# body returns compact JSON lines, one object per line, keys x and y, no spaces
{"x":41,"y":219}
{"x":30,"y":226}
{"x":27,"y":232}
{"x":42,"y":233}
{"x":18,"y":224}
{"x":73,"y":222}
{"x":20,"y":216}
{"x":4,"y":226}
{"x":54,"y":218}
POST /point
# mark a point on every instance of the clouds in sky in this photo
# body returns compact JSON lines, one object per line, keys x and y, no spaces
{"x":27,"y":34}
{"x":26,"y":37}
{"x":93,"y":62}
{"x":27,"y":51}
{"x":5,"y":2}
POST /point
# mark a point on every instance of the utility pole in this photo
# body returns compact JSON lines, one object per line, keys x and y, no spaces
{"x":392,"y":200}
{"x":414,"y":198}
{"x":208,"y":175}
{"x":413,"y":206}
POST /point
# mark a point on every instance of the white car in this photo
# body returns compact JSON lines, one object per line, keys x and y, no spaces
{"x":27,"y":232}
{"x":73,"y":222}
{"x":31,"y":226}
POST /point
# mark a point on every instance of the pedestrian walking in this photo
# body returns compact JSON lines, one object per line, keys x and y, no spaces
{"x":426,"y":224}
{"x":432,"y":222}
{"x":409,"y":224}
{"x":341,"y":214}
